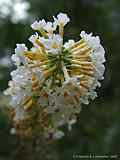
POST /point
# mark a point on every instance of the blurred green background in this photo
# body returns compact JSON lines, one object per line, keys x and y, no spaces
{"x":97,"y":131}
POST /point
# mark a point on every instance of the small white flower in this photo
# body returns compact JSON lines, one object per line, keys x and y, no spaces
{"x":38,"y":25}
{"x":50,"y":27}
{"x":92,"y":94}
{"x":68,"y":44}
{"x":73,"y":80}
{"x":92,"y":41}
{"x":34,"y":49}
{"x":84,"y":99}
{"x":33,"y":38}
{"x":53,"y":44}
{"x":62,"y":19}
{"x":20,"y":49}
{"x":20,"y":86}
{"x":21,"y":79}
{"x":98,"y":58}
{"x":98,"y":55}
{"x":99,"y":71}
{"x":19,"y":57}
{"x":15,"y":59}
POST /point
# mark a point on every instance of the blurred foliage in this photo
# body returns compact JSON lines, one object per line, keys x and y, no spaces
{"x":97,"y":131}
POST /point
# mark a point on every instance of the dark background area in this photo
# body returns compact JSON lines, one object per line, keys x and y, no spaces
{"x":97,"y":131}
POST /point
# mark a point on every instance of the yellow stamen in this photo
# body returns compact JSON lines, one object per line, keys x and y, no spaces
{"x":43,"y":33}
{"x":66,"y":75}
{"x":84,"y":85}
{"x":79,"y":47}
{"x":55,"y":45}
{"x":47,"y":72}
{"x":36,"y":88}
{"x":77,"y":43}
{"x":34,"y":77}
{"x":41,"y":46}
{"x":85,"y":55}
{"x":83,"y":51}
{"x":82,"y":59}
{"x":39,"y":43}
{"x":81,"y":63}
{"x":90,"y":73}
{"x":35,"y":84}
{"x":39,"y":64}
{"x":28,"y":105}
{"x":33,"y":56}
{"x":26,"y":100}
{"x":86,"y":67}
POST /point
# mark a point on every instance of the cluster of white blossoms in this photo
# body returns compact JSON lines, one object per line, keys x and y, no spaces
{"x":54,"y":78}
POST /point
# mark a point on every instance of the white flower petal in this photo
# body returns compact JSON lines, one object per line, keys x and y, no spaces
{"x":68,"y":44}
{"x":62,"y":19}
{"x":38,"y":25}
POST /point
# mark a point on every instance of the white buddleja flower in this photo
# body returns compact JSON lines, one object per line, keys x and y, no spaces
{"x":50,"y":27}
{"x":33,"y":39}
{"x":53,"y":44}
{"x":38,"y":25}
{"x":19,"y":57}
{"x":94,"y":42}
{"x":20,"y":49}
{"x":53,"y":79}
{"x":16,"y":59}
{"x":20,"y":86}
{"x":69,"y":44}
{"x":62,"y":19}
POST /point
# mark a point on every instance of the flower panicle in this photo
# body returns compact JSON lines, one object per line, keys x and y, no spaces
{"x":53,"y":79}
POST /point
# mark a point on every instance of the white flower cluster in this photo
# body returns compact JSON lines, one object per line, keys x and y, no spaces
{"x":53,"y":79}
